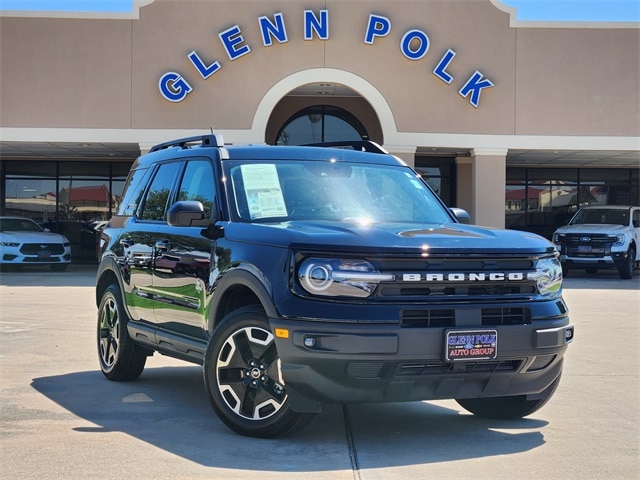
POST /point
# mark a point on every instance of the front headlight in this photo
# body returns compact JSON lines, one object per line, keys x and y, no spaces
{"x":9,"y":244}
{"x":340,"y":278}
{"x":620,"y":239}
{"x":558,"y":238}
{"x":548,"y":276}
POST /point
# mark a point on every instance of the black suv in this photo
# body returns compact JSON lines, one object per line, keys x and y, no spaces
{"x":299,"y":276}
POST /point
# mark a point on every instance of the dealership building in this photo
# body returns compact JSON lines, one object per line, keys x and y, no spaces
{"x":519,"y":123}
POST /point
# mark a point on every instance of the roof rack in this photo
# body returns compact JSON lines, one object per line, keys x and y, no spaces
{"x":359,"y":145}
{"x":211,"y":140}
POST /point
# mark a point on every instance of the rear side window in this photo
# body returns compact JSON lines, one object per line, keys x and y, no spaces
{"x":197,"y":185}
{"x":155,"y":202}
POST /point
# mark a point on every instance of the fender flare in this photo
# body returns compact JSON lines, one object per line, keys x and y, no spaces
{"x":110,"y":264}
{"x":250,"y":278}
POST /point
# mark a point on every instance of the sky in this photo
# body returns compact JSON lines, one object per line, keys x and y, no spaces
{"x":528,"y":10}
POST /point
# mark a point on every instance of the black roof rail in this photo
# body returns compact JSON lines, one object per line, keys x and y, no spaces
{"x":210,"y":140}
{"x":360,"y":145}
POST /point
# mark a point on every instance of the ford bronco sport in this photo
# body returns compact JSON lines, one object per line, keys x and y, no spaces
{"x":303,"y":276}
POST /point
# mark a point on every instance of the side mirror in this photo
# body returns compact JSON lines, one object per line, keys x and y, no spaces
{"x":461,"y":215}
{"x":187,"y":214}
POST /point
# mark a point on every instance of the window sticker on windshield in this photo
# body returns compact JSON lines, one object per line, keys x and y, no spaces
{"x":262,"y":188}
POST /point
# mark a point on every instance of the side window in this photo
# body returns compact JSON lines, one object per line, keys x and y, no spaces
{"x":197,"y":185}
{"x":155,"y":203}
{"x":636,"y":218}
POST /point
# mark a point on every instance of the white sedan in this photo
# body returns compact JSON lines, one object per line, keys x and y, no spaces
{"x":24,"y":242}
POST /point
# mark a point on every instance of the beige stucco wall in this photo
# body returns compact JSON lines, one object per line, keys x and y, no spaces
{"x":95,"y":73}
{"x":65,"y":72}
{"x":577,"y":81}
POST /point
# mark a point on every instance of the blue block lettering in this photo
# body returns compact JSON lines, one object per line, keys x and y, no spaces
{"x":440,"y":70}
{"x":378,"y":27}
{"x":174,"y":87}
{"x":205,"y":70}
{"x":272,"y":30}
{"x":231,"y":41}
{"x":313,"y":24}
{"x":416,"y":37}
{"x":475,"y":85}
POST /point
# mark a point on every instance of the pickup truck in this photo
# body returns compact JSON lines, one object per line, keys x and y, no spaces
{"x":601,"y":237}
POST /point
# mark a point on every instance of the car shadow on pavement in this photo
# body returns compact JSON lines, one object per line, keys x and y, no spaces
{"x":41,"y":276}
{"x":168,"y":408}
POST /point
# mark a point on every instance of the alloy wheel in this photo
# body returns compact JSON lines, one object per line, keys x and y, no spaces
{"x":248,"y":374}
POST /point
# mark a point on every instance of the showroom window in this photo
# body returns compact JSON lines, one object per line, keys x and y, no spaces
{"x":72,"y":198}
{"x":49,"y":190}
{"x":439,"y":173}
{"x":321,"y":123}
{"x":540,"y":200}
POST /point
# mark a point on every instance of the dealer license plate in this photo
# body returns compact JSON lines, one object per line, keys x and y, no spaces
{"x":44,"y":254}
{"x":471,"y":345}
{"x":584,"y":248}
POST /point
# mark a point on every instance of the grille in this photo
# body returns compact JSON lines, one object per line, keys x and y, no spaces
{"x":41,"y":260}
{"x":375,"y":370}
{"x":505,"y":316}
{"x":35,"y":248}
{"x":446,"y":278}
{"x":444,"y":318}
{"x":439,"y":368}
{"x":597,"y":246}
{"x":427,"y":318}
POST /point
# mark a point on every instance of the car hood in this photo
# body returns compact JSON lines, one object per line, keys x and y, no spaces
{"x":434,"y":238}
{"x":592,"y":228}
{"x":33,"y":237}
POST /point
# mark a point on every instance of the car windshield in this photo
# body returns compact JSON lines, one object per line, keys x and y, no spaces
{"x":18,"y":225}
{"x":334,"y":191}
{"x":601,"y":216}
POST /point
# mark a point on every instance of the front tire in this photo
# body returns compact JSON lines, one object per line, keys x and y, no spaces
{"x":120,"y":358}
{"x":508,"y":408}
{"x":627,"y":268}
{"x":243,"y":379}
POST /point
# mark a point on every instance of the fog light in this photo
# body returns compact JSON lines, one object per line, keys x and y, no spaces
{"x":568,"y":334}
{"x":309,"y":342}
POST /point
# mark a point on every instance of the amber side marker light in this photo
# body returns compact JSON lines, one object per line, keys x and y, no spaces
{"x":282,"y":333}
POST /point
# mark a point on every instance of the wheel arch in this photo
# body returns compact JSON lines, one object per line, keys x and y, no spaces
{"x":237,"y":289}
{"x":106,"y":276}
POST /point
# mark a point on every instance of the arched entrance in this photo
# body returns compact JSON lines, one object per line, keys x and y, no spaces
{"x":321,"y":123}
{"x":322,"y":112}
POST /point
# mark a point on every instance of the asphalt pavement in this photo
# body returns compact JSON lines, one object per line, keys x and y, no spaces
{"x":61,"y":419}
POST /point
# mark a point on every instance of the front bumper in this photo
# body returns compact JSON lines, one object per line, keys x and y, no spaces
{"x":15,"y":257}
{"x":351,"y":363}
{"x":614,"y":260}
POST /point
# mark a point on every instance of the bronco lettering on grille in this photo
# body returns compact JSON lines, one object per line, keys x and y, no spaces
{"x":464,"y":277}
